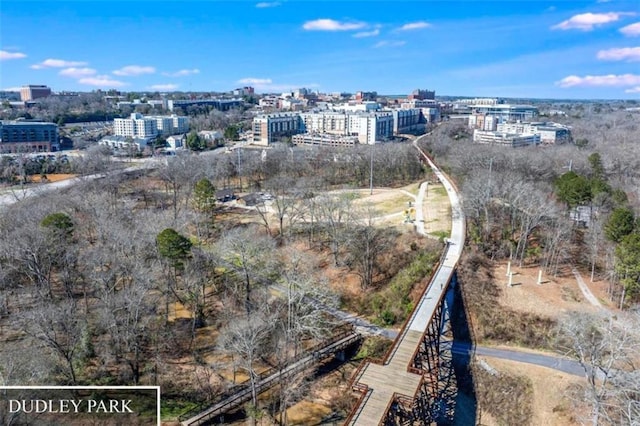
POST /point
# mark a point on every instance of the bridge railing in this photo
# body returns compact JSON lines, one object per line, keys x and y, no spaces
{"x":231,"y":396}
{"x":365,"y":393}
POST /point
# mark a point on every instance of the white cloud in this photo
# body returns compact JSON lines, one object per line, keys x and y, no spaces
{"x":254,"y":81}
{"x":5,"y":56}
{"x":77,"y":72}
{"x":633,"y":90}
{"x":332,"y":25}
{"x":167,"y":87}
{"x":265,"y":4}
{"x":182,"y":73}
{"x":386,"y":43}
{"x":130,"y":70}
{"x":620,"y":54}
{"x":631,"y":30}
{"x":57,"y":63}
{"x":587,"y":21}
{"x":101,"y":81}
{"x":414,"y":26}
{"x":600,"y":80}
{"x":367,"y":33}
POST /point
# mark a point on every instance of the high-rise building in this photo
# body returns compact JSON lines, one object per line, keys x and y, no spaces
{"x":32,"y":92}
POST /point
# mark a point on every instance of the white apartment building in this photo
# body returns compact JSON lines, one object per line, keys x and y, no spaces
{"x":369,"y":127}
{"x":137,"y":126}
{"x":507,"y":113}
{"x":140,"y":126}
{"x":336,"y":123}
{"x":479,"y":101}
{"x":324,"y":139}
{"x":484,"y":122}
{"x":375,"y":126}
{"x":513,"y":140}
{"x":366,"y":106}
{"x":549,"y":132}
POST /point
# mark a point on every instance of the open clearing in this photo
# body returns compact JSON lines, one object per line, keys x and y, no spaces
{"x":552,"y":405}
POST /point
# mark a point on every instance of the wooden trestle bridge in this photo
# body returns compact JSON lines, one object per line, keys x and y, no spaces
{"x":414,"y":383}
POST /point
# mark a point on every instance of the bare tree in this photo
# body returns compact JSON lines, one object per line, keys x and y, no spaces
{"x":249,"y":256}
{"x":180,"y":175}
{"x":605,"y":347}
{"x":59,"y":328}
{"x":334,"y":213}
{"x":247,"y":340}
{"x":127,"y":318}
{"x":365,"y":244}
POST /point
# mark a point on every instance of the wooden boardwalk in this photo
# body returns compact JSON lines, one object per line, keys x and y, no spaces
{"x":382,"y":382}
{"x":243,"y":394}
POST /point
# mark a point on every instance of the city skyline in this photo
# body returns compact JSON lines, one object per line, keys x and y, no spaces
{"x":527,"y":49}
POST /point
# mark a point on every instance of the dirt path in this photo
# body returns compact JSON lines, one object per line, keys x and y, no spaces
{"x":586,"y":291}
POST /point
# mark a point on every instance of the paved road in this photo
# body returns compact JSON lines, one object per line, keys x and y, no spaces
{"x":16,"y":194}
{"x":565,"y":365}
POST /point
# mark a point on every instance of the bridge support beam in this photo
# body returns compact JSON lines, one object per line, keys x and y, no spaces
{"x":435,"y":403}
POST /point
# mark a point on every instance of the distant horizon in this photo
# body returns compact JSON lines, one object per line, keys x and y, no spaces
{"x":582,"y":49}
{"x":633,"y":100}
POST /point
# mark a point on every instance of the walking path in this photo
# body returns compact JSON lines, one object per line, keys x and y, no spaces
{"x":586,"y":291}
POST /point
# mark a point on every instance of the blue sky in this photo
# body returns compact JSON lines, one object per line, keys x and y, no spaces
{"x":560,"y":49}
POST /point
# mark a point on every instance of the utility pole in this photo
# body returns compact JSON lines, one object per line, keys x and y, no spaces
{"x":239,"y":169}
{"x":371,"y":170}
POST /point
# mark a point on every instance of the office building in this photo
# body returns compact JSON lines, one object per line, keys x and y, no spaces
{"x":28,"y":136}
{"x":366,"y":96}
{"x":33,"y":92}
{"x":549,"y":132}
{"x":219,"y":104}
{"x":505,"y":113}
{"x":419,"y":94}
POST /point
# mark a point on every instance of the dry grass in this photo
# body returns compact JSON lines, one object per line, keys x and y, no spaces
{"x":534,"y":395}
{"x":507,"y":397}
{"x":492,"y":319}
{"x":52,"y":177}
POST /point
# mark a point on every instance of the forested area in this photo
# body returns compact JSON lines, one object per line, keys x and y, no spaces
{"x":146,"y":278}
{"x":556,"y":208}
{"x":573,"y":204}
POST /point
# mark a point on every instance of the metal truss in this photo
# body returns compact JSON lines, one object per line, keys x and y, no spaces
{"x":435,"y":402}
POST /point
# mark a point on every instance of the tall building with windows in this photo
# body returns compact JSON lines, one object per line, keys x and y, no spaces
{"x":139,"y":126}
{"x":33,"y":91}
{"x":505,"y":113}
{"x":420,"y":94}
{"x":28,"y":136}
{"x":269,"y":128}
{"x":136,"y":126}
